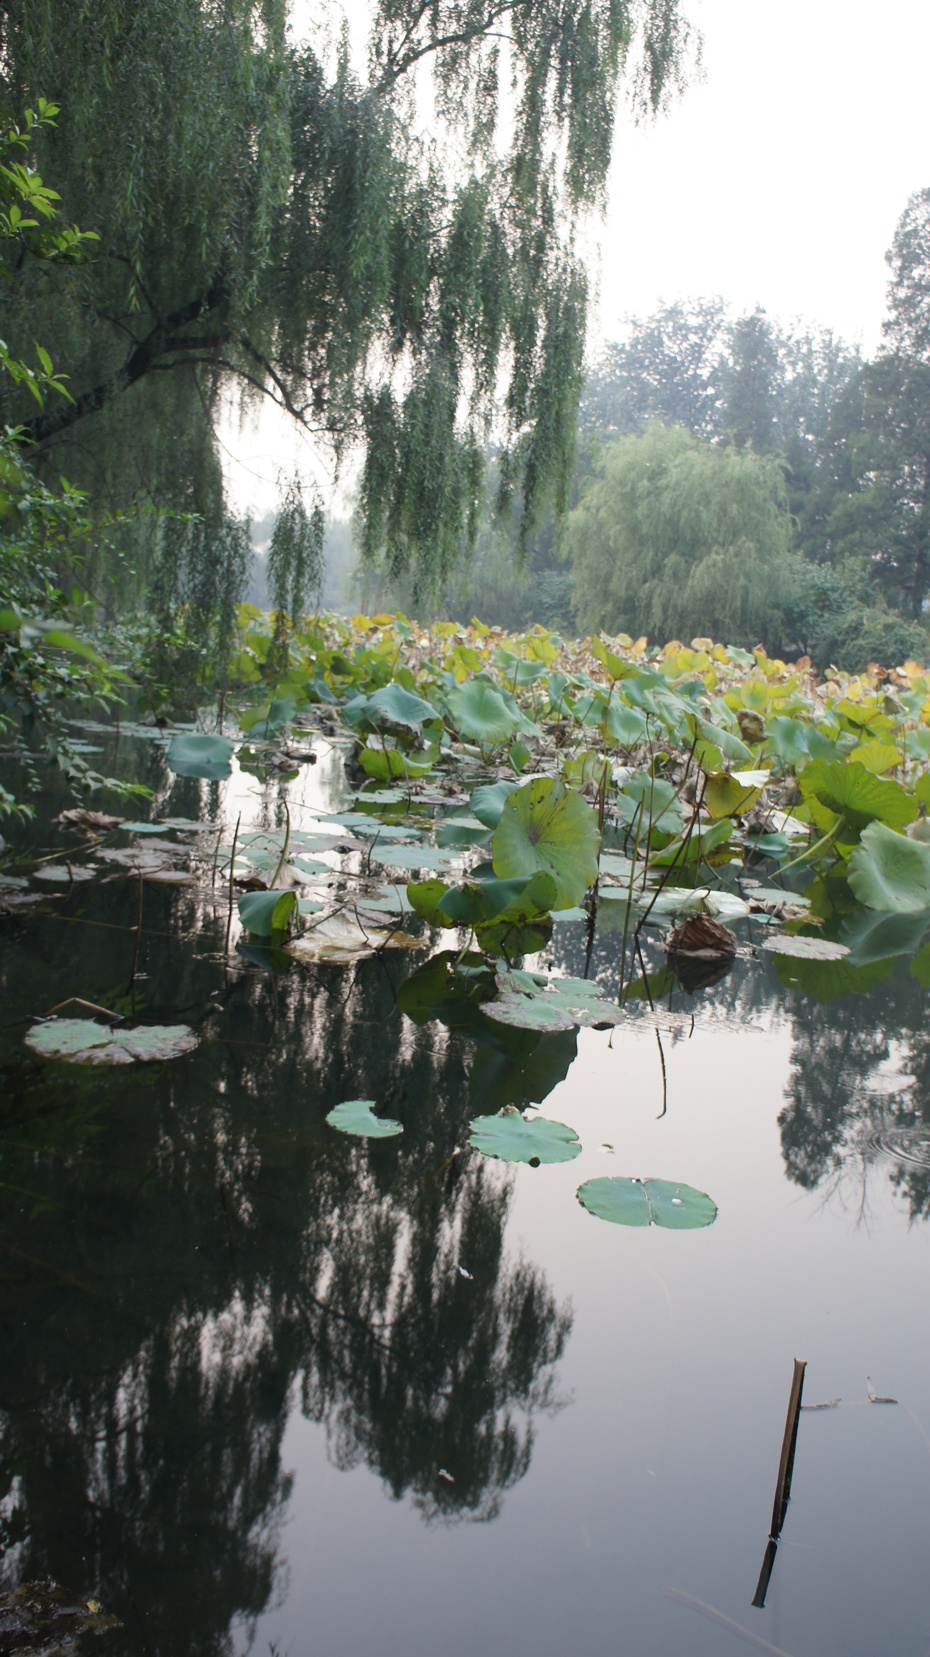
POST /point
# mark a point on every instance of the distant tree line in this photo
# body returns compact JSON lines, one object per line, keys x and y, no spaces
{"x":750,"y":482}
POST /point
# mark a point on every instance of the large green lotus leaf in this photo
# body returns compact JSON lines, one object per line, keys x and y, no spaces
{"x":645,"y":1202}
{"x":788,"y":740}
{"x":385,"y":763}
{"x":263,"y":913}
{"x":488,"y":802}
{"x":544,"y":826}
{"x":835,"y":788}
{"x":357,"y":1117}
{"x":393,"y":705}
{"x":512,"y":1138}
{"x":624,"y":725}
{"x":480,"y":714}
{"x":424,"y":897}
{"x":262,"y":726}
{"x":84,"y":1041}
{"x":890,"y":871}
{"x":191,"y":754}
{"x":875,"y":936}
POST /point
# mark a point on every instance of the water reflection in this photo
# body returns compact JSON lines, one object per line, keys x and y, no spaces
{"x":186,"y":1253}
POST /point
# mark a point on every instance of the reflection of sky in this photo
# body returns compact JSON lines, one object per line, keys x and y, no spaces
{"x":661,"y":1471}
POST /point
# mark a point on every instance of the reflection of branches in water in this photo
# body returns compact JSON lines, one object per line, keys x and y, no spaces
{"x":859,"y":1094}
{"x":437,"y":1370}
{"x":216,"y":1244}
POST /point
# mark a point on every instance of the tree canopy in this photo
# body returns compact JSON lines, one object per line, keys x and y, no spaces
{"x":273,"y":217}
{"x":677,"y":538}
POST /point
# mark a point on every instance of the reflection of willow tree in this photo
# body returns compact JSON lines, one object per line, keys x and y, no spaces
{"x":858,"y":1096}
{"x":178,"y":1250}
{"x":858,"y":1093}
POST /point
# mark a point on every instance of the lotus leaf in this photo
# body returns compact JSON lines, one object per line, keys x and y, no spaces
{"x":480,"y":714}
{"x":841,"y":789}
{"x":342,"y":939}
{"x":511,"y":1138}
{"x":532,"y":1002}
{"x":805,"y":949}
{"x":544,"y":826}
{"x":356,"y":1116}
{"x":733,"y":793}
{"x":84,"y":1041}
{"x":191,"y":754}
{"x":488,"y":802}
{"x":393,"y":705}
{"x":263,"y":913}
{"x":890,"y":871}
{"x":645,"y":1202}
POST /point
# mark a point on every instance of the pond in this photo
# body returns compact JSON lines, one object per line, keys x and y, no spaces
{"x":266,"y":1386}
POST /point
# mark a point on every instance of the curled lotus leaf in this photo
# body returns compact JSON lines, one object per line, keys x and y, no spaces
{"x":891,"y":871}
{"x":357,"y":1117}
{"x":263,"y":913}
{"x":84,"y":1041}
{"x":847,"y":790}
{"x":342,"y":939}
{"x":646,"y":1202}
{"x":512,"y":1138}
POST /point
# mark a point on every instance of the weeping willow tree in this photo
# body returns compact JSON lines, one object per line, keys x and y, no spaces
{"x":277,"y":220}
{"x":677,"y":538}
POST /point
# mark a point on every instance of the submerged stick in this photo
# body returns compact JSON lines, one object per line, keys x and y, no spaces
{"x":135,"y":952}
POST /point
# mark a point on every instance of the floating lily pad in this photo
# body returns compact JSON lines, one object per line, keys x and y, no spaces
{"x":192,"y":754}
{"x":512,"y":1138}
{"x":531,"y":1002}
{"x":63,"y":873}
{"x":84,"y":1041}
{"x":645,"y":1202}
{"x":343,"y":939}
{"x":805,"y":949}
{"x":357,"y":1116}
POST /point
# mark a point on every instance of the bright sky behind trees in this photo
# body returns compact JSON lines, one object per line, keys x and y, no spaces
{"x":777,"y":181}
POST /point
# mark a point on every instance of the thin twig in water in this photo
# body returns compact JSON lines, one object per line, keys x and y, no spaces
{"x":232,"y":874}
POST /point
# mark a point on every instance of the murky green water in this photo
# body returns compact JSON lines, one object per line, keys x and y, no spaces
{"x":267,"y":1388}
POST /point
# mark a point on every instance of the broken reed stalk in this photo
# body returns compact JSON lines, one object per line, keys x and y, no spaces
{"x":788,"y":1447}
{"x":135,"y":952}
{"x":232,"y":876}
{"x":783,"y":1482}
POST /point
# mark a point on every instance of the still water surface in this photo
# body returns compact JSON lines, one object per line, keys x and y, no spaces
{"x":265,"y":1388}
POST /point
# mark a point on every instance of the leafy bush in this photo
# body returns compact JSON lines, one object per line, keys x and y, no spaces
{"x":832,"y":617}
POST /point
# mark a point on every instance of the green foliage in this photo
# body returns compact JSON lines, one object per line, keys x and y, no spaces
{"x":676,"y":538}
{"x":295,"y":557}
{"x":545,"y":827}
{"x":513,"y":1138}
{"x":269,"y":220}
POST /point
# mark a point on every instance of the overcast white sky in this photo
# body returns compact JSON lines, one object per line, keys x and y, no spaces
{"x":778,"y":181}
